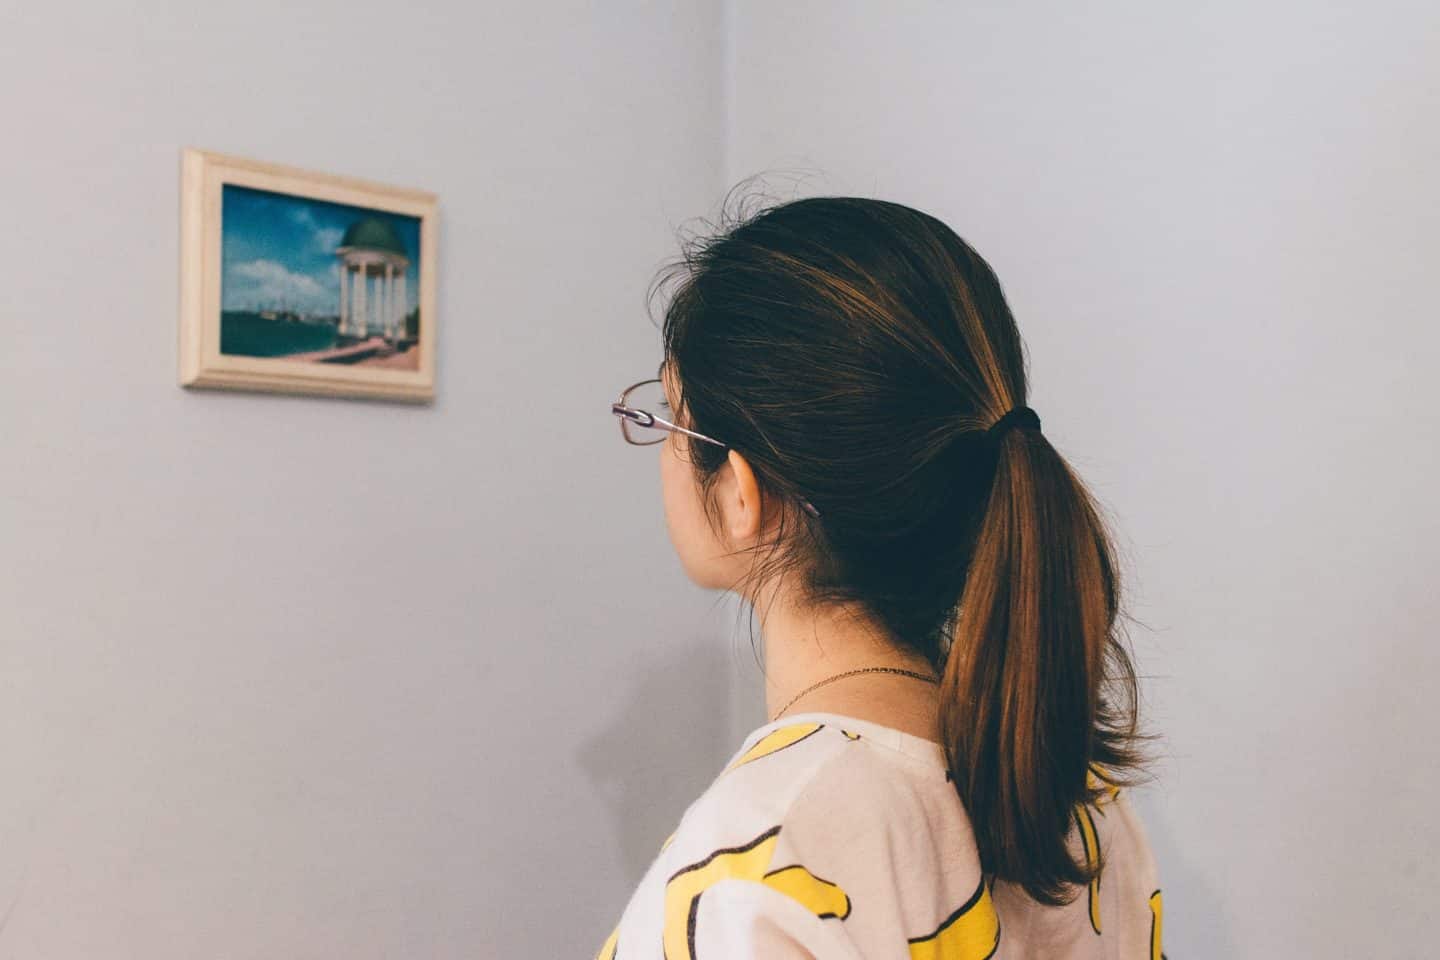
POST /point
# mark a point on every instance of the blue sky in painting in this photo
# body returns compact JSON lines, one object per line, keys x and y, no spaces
{"x":277,"y":249}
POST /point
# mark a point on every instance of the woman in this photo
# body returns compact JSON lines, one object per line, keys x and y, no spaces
{"x":846,"y":445}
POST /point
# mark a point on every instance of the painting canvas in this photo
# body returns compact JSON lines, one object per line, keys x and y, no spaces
{"x":317,"y":281}
{"x":304,"y":282}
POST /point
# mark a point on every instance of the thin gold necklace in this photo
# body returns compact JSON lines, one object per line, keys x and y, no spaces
{"x":851,"y":673}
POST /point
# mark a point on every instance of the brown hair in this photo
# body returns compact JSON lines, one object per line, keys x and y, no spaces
{"x":856,"y":351}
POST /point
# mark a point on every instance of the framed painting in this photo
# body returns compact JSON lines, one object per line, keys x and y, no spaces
{"x":300,"y":282}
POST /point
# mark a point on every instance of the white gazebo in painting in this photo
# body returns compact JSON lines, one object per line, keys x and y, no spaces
{"x":373,"y":261}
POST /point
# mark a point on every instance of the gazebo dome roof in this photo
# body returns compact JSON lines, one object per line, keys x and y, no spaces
{"x":374,"y":233}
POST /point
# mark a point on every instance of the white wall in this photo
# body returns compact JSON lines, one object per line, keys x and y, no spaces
{"x":287,"y":677}
{"x":1219,"y":227}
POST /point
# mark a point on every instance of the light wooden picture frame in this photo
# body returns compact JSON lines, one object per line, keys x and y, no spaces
{"x":293,"y":281}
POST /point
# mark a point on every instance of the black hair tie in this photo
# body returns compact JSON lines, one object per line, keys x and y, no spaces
{"x":1018,"y":417}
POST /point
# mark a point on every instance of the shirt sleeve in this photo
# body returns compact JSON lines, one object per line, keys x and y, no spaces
{"x":738,"y":919}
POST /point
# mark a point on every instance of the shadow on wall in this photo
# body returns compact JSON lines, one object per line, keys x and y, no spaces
{"x":665,"y":746}
{"x":1188,"y":893}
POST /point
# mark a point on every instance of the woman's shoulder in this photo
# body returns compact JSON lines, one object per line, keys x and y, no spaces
{"x":759,"y":784}
{"x":855,"y":822}
{"x":1117,"y":914}
{"x":816,"y":771}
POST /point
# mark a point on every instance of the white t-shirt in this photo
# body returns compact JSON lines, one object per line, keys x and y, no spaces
{"x":835,"y":838}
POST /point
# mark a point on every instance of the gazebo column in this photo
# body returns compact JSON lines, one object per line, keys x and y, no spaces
{"x":389,"y":301}
{"x":344,"y":293}
{"x":401,"y":308}
{"x":379,"y":302}
{"x":384,"y":301}
{"x":360,"y":299}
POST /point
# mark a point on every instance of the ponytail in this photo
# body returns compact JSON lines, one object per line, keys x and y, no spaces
{"x":1024,"y":708}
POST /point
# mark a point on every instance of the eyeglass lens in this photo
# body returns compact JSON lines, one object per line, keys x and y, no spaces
{"x":651,"y":398}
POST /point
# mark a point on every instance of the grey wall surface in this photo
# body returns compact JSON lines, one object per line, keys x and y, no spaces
{"x":288,"y":677}
{"x":1219,"y":227}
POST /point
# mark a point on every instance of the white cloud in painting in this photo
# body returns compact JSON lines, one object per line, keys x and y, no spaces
{"x":268,"y":282}
{"x":326,"y":239}
{"x":322,"y":239}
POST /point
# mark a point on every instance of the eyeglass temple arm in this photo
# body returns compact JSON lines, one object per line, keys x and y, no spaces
{"x":646,"y":419}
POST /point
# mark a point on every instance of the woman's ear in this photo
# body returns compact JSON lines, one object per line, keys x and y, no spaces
{"x":740,"y":500}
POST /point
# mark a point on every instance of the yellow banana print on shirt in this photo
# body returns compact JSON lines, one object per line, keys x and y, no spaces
{"x":1092,"y":856}
{"x":776,"y":740}
{"x":1156,"y":909}
{"x":607,"y":951}
{"x":1094,"y":781}
{"x":970,"y":933}
{"x":747,"y":862}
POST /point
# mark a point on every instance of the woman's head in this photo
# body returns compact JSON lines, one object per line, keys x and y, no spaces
{"x":851,"y":353}
{"x":828,"y":343}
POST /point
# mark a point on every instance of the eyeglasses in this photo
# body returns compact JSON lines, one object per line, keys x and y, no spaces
{"x":643,"y":408}
{"x":642,"y":427}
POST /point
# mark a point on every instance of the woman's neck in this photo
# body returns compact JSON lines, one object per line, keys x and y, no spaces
{"x":804,"y":646}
